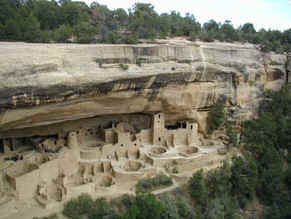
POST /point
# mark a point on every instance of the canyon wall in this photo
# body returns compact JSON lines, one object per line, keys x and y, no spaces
{"x":44,"y":87}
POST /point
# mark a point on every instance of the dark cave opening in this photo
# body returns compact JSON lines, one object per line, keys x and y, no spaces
{"x":177,"y":125}
{"x":1,"y":146}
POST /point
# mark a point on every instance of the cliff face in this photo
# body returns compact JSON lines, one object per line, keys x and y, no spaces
{"x":44,"y":85}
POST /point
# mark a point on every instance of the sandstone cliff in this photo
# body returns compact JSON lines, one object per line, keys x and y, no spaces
{"x":44,"y":85}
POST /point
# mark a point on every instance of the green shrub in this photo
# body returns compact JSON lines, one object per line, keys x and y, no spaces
{"x":170,"y":210}
{"x":142,"y":206}
{"x":130,"y":39}
{"x":147,"y":185}
{"x":185,"y":210}
{"x":232,"y":138}
{"x":287,"y":178}
{"x":221,"y":207}
{"x":138,"y":62}
{"x":99,"y":61}
{"x":218,"y":181}
{"x":243,"y":179}
{"x":212,"y":194}
{"x":149,"y":206}
{"x":175,"y":170}
{"x":84,"y":32}
{"x":197,"y":188}
{"x":75,"y":208}
{"x":62,"y":34}
{"x":216,"y":117}
{"x":84,"y":205}
{"x":193,"y":36}
{"x":127,"y":200}
{"x":46,"y":36}
{"x":101,"y":209}
{"x":278,"y":211}
{"x":266,"y":140}
{"x":123,"y":66}
{"x":207,"y":36}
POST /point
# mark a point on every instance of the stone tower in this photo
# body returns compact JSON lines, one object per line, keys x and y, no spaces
{"x":73,"y":144}
{"x":158,"y":128}
{"x":192,"y":133}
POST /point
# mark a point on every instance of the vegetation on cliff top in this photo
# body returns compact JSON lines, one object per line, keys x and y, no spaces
{"x":74,"y":21}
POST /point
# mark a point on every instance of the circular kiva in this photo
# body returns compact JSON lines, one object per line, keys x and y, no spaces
{"x":132,"y":165}
{"x":106,"y":181}
{"x":191,"y":150}
{"x":158,"y":150}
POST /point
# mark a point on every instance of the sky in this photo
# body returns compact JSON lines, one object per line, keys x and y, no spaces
{"x":268,"y":14}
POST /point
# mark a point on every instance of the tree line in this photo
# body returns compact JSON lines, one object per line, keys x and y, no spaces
{"x":263,"y":172}
{"x":74,"y":21}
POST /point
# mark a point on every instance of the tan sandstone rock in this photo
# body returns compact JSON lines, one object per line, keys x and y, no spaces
{"x":42,"y":85}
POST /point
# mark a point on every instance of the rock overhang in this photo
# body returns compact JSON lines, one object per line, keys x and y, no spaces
{"x":45,"y":84}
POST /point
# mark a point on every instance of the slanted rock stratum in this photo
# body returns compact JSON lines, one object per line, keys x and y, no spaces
{"x":44,"y":84}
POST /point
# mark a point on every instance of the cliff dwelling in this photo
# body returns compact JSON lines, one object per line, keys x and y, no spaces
{"x":54,"y":168}
{"x":69,"y":125}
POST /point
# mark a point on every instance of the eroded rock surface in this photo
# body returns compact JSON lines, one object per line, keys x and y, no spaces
{"x":45,"y":84}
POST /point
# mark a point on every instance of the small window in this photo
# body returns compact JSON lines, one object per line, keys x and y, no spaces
{"x":159,"y":116}
{"x":134,"y":144}
{"x":121,"y":145}
{"x":159,"y":139}
{"x":191,"y":126}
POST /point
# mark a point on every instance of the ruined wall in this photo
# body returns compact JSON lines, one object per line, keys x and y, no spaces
{"x":74,"y":192}
{"x":158,"y":129}
{"x":68,"y":163}
{"x":25,"y":180}
{"x":145,"y":136}
{"x":110,"y":136}
{"x":108,"y":150}
{"x":49,"y":170}
{"x":192,"y":134}
{"x":124,"y":139}
{"x":26,"y":185}
{"x":180,"y":137}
